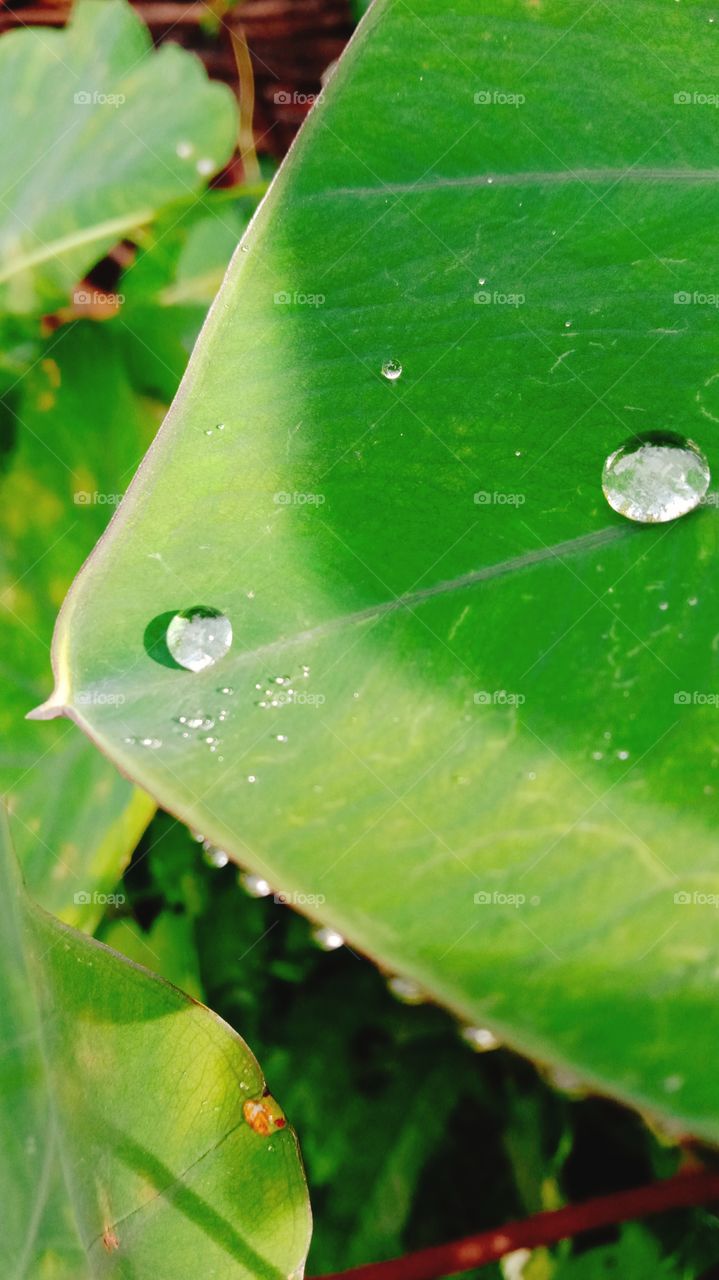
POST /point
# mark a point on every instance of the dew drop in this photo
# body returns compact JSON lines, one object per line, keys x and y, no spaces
{"x":251,"y":777}
{"x":255,"y":886}
{"x":406,"y":990}
{"x":151,"y":743}
{"x":205,"y":166}
{"x":481,"y":1039}
{"x":391,"y":370}
{"x":196,"y":835}
{"x":655,"y":477}
{"x":227,"y":690}
{"x":184,"y":150}
{"x":281,"y":737}
{"x":327,"y":939}
{"x":198,"y":638}
{"x":213,"y":856}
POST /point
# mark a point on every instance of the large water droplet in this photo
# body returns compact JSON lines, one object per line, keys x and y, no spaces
{"x":199,"y":637}
{"x":213,"y":856}
{"x":655,"y":477}
{"x":392,"y":370}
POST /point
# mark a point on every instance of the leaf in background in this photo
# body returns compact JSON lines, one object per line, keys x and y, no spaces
{"x":123,"y":130}
{"x":170,"y":286}
{"x":80,"y":434}
{"x":142,"y":1092}
{"x":483,"y":776}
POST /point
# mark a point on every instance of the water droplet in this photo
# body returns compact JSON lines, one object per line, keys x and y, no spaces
{"x":392,"y":370}
{"x":196,"y":835}
{"x":481,"y":280}
{"x":251,"y":777}
{"x":597,"y":755}
{"x":255,"y":886}
{"x":693,"y":600}
{"x":327,"y":939}
{"x":198,"y":638}
{"x":406,"y":990}
{"x":305,"y":673}
{"x":673,"y":1083}
{"x":655,"y":477}
{"x":151,"y":743}
{"x":622,"y":755}
{"x":205,"y":166}
{"x":226,"y":689}
{"x":184,"y":150}
{"x":481,"y":1039}
{"x":281,"y":737}
{"x":213,"y":856}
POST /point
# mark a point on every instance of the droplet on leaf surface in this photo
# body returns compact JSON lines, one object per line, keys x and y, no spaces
{"x":655,"y":477}
{"x":391,"y":370}
{"x":197,"y":638}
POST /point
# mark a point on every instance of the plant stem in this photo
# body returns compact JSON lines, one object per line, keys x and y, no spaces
{"x":679,"y":1192}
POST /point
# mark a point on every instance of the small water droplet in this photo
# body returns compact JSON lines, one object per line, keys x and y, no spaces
{"x":622,"y":755}
{"x":693,"y":600}
{"x":391,"y":370}
{"x":597,"y":755}
{"x":327,"y":939}
{"x":673,"y":1083}
{"x":197,"y":638}
{"x":130,"y":741}
{"x":213,"y":856}
{"x":281,"y":737}
{"x":196,"y":835}
{"x":151,"y":743}
{"x":251,"y":777}
{"x":655,"y":477}
{"x":205,"y":166}
{"x":406,"y":990}
{"x":184,"y":150}
{"x":255,"y":886}
{"x":229,"y":691}
{"x":481,"y":1039}
{"x":481,"y":280}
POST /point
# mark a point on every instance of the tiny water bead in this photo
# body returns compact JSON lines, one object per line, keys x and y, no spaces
{"x":255,"y":886}
{"x":406,"y":990}
{"x":327,"y":939}
{"x":213,"y":856}
{"x":481,"y":1039}
{"x":197,"y":638}
{"x":655,"y":477}
{"x":391,"y":370}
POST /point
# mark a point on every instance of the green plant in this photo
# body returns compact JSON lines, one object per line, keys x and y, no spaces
{"x":451,"y":727}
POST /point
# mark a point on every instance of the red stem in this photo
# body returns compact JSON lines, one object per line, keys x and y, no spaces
{"x":680,"y":1192}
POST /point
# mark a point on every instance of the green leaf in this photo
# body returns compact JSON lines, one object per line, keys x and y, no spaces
{"x":492,"y":787}
{"x":80,"y":432}
{"x":123,"y":130}
{"x":141,"y":1093}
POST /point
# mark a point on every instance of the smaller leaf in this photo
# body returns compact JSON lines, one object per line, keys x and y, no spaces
{"x":150,"y":1099}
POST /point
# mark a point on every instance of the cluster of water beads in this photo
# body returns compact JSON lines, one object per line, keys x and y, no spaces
{"x":150,"y":743}
{"x":655,"y":477}
{"x":198,"y":637}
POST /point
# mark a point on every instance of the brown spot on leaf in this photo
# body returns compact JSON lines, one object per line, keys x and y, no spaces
{"x":110,"y":1240}
{"x":264,"y":1116}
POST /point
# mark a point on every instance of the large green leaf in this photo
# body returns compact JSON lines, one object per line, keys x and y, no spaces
{"x":122,"y":131}
{"x":80,"y":431}
{"x":493,"y":788}
{"x":126,"y":1149}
